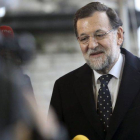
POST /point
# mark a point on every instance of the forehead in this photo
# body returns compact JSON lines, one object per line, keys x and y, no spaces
{"x":98,"y":21}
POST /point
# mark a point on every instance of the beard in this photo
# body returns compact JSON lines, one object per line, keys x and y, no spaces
{"x":103,"y":62}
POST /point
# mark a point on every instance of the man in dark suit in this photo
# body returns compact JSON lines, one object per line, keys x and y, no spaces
{"x":101,"y":99}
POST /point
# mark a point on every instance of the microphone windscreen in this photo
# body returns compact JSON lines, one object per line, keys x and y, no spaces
{"x":7,"y":31}
{"x":80,"y":137}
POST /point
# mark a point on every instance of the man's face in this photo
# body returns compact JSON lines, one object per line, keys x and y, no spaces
{"x":100,"y":54}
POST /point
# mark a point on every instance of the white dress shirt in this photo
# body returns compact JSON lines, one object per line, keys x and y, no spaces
{"x":114,"y":83}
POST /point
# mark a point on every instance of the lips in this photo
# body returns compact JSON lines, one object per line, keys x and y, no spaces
{"x":96,"y":53}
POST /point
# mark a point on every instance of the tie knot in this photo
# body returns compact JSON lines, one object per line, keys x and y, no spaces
{"x":104,"y":79}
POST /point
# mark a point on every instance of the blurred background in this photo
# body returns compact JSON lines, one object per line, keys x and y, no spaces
{"x":50,"y":24}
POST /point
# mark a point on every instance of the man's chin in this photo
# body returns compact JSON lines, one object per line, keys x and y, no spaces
{"x":97,"y":66}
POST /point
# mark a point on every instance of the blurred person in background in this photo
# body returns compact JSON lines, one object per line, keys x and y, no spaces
{"x":101,"y":99}
{"x":11,"y":52}
{"x":20,"y":117}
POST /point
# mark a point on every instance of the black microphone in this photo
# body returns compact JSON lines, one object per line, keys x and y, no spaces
{"x":21,"y":47}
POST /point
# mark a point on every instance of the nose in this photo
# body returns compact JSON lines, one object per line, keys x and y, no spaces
{"x":93,"y":43}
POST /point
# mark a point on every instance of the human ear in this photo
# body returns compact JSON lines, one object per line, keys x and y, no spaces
{"x":120,"y":36}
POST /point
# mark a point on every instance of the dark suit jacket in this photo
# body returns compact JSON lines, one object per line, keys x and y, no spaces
{"x":73,"y":101}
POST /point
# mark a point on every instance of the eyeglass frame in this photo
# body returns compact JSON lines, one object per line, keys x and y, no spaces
{"x":104,"y":34}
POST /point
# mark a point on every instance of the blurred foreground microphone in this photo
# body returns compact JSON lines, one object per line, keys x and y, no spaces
{"x":80,"y":137}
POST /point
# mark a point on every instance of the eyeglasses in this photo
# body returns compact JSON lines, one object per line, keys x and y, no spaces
{"x":84,"y":39}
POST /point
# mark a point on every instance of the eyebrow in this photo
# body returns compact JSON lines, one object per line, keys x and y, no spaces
{"x":82,"y":34}
{"x":99,"y":30}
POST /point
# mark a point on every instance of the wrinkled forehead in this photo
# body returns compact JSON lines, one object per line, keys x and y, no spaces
{"x":97,"y":21}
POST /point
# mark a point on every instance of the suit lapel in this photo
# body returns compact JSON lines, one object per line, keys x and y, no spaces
{"x":84,"y":91}
{"x":129,"y":88}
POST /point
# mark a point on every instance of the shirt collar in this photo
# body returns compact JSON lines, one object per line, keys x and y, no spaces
{"x":115,"y":71}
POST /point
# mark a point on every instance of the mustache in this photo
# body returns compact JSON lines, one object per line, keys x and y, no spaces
{"x":96,"y":50}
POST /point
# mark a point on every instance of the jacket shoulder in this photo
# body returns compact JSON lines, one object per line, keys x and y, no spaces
{"x":72,"y":74}
{"x":131,"y":59}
